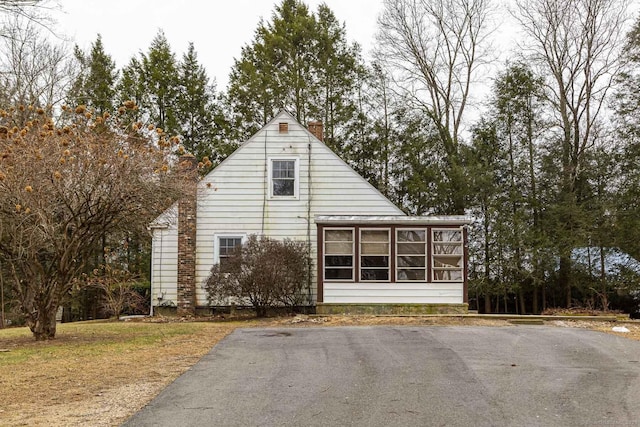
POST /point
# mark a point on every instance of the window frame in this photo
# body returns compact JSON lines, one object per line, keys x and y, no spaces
{"x":217,"y":246}
{"x":296,"y":179}
{"x":389,"y":255}
{"x":434,"y":255}
{"x":397,"y":268}
{"x":353,"y":254}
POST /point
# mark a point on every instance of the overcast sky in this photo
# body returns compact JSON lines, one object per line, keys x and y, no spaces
{"x":218,"y":29}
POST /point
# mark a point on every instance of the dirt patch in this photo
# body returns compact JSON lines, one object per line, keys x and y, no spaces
{"x":633,"y":327}
{"x":98,"y":374}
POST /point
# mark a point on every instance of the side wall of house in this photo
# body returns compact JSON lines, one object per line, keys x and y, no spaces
{"x":234,"y":199}
{"x":393,"y":293}
{"x":164,"y":260}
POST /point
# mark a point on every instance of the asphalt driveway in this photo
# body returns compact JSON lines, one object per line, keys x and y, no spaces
{"x":407,"y":376}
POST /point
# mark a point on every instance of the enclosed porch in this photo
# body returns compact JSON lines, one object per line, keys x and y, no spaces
{"x":392,"y":264}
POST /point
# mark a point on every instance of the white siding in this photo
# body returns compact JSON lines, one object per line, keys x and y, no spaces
{"x":393,"y":293}
{"x":164,"y":260}
{"x":234,"y":197}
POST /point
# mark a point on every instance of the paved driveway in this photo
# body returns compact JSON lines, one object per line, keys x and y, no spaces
{"x":407,"y":376}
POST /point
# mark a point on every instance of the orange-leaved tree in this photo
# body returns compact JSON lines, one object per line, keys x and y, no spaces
{"x":65,"y":186}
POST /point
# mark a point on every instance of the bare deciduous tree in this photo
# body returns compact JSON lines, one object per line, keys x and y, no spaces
{"x":62,"y":189}
{"x":34,"y":12}
{"x":576,"y":43}
{"x":434,"y":48}
{"x":20,"y":7}
{"x":116,"y":288}
{"x":33,"y":70}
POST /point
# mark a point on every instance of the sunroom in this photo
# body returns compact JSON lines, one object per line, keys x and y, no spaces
{"x":392,"y":264}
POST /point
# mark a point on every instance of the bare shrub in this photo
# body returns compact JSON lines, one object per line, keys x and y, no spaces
{"x":117,"y":290}
{"x":263,"y":272}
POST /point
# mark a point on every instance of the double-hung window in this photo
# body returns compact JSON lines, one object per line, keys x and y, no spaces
{"x":226,"y":246}
{"x":447,"y":253}
{"x":338,"y":254}
{"x":283,"y":177}
{"x":411,"y":255}
{"x":374,"y":255}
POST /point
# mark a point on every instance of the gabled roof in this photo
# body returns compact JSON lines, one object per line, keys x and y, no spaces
{"x":312,"y":138}
{"x":278,"y":116}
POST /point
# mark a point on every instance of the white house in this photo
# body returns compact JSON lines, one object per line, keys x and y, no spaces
{"x":284,"y":182}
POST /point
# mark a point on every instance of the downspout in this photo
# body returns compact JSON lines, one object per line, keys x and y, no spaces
{"x":157,"y":228}
{"x":159,"y":272}
{"x":310,"y":259}
{"x":265,"y":185}
{"x":316,"y":129}
{"x":2,"y":321}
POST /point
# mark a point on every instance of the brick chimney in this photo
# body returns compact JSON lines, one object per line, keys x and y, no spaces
{"x":316,"y":129}
{"x":187,"y":208}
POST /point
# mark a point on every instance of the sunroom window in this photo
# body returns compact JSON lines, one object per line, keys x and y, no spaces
{"x":447,"y":255}
{"x":338,"y":254}
{"x":374,"y":255}
{"x":411,"y":255}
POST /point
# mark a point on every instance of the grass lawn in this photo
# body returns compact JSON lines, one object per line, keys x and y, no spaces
{"x":96,"y":373}
{"x":100,"y":373}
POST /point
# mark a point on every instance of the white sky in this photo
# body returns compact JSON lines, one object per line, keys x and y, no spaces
{"x":218,"y":29}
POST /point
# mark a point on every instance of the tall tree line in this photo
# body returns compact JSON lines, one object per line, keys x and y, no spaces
{"x":548,"y":170}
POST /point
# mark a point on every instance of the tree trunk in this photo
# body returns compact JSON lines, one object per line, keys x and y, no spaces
{"x":603,"y":280}
{"x":487,"y":260}
{"x":43,"y":323}
{"x":487,"y":303}
{"x":564,"y":277}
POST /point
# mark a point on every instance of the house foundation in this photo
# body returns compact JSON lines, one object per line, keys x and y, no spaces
{"x":392,"y":309}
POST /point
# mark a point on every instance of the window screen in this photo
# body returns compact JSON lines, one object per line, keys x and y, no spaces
{"x":447,"y":255}
{"x":338,"y":254}
{"x":411,"y":255}
{"x":374,"y":255}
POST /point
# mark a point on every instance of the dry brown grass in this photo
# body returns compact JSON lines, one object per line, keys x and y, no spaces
{"x":98,"y":374}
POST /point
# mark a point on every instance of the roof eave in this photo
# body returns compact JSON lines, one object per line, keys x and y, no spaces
{"x":392,"y":220}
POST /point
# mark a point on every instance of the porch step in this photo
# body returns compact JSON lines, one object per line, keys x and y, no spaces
{"x":526,"y":321}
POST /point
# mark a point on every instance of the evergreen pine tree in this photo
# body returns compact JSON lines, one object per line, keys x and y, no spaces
{"x":159,"y":74}
{"x":198,"y":112}
{"x":95,"y":84}
{"x":302,"y":62}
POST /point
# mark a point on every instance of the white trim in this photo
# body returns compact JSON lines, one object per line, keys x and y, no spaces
{"x":296,"y":182}
{"x":459,"y":243}
{"x":353,"y":254}
{"x":393,"y":220}
{"x":216,"y":243}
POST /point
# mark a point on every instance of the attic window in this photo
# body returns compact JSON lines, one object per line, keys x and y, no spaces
{"x":283,"y":127}
{"x":283,"y":178}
